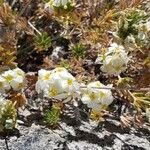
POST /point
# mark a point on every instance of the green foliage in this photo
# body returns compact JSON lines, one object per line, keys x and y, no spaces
{"x":52,"y":116}
{"x":65,"y":63}
{"x":128,"y":22}
{"x":42,"y":41}
{"x":8,"y":115}
{"x":78,"y":50}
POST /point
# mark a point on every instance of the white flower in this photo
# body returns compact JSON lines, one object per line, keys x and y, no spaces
{"x":44,"y":77}
{"x":17,"y":83}
{"x":55,"y":90}
{"x":96,"y":97}
{"x":114,"y":48}
{"x":114,"y":61}
{"x":58,"y":83}
{"x":148,"y":114}
{"x":9,"y":75}
{"x":19,"y":72}
{"x":15,"y":78}
{"x":69,"y":82}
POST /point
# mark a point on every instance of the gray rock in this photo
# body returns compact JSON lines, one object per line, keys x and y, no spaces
{"x":87,"y":136}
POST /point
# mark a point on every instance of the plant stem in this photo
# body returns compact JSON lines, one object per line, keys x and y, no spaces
{"x":116,"y":88}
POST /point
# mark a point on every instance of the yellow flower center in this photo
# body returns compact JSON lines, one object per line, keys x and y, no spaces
{"x":9,"y":78}
{"x":92,"y":96}
{"x":46,"y":77}
{"x":70,"y":81}
{"x":95,"y":115}
{"x":53,"y":91}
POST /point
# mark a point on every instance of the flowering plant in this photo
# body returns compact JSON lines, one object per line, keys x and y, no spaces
{"x":12,"y":79}
{"x":58,"y":83}
{"x":8,"y":114}
{"x":114,"y":60}
{"x":95,"y":97}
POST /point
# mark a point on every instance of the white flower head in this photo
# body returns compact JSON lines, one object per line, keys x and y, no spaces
{"x":15,"y":78}
{"x":115,"y":60}
{"x":58,"y":83}
{"x":55,"y":90}
{"x":96,"y":97}
{"x":114,"y":48}
{"x":44,"y":77}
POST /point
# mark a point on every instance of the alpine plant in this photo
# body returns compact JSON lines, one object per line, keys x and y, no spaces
{"x":114,"y":60}
{"x":12,"y":79}
{"x":8,"y":114}
{"x":57,"y":83}
{"x":97,"y":96}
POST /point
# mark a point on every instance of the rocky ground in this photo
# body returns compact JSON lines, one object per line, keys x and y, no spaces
{"x":108,"y":135}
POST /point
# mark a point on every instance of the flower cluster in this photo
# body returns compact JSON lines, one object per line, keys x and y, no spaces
{"x":57,"y":83}
{"x":60,"y":4}
{"x":114,"y":60}
{"x":60,"y":84}
{"x":96,"y":96}
{"x":7,"y":114}
{"x":12,"y":79}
